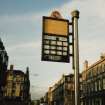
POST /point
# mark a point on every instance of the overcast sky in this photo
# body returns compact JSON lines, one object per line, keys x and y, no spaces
{"x":21,"y":31}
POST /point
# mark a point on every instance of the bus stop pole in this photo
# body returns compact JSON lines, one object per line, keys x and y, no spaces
{"x":75,"y":17}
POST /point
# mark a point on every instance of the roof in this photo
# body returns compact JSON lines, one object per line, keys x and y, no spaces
{"x":16,"y":72}
{"x":94,"y":64}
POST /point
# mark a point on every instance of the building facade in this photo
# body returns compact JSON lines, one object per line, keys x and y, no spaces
{"x":3,"y":67}
{"x":92,"y":87}
{"x":62,"y":93}
{"x":93,"y":83}
{"x":17,"y":87}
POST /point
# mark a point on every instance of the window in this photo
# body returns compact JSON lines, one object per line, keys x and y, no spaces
{"x":96,"y":86}
{"x":21,"y":87}
{"x":103,"y":83}
{"x":98,"y":101}
{"x":9,"y":92}
{"x":102,"y":67}
{"x":84,"y":88}
{"x":94,"y":71}
{"x":97,"y":70}
{"x":91,"y":87}
{"x":100,"y":84}
{"x":68,"y":79}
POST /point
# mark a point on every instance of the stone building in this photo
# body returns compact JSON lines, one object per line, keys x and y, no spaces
{"x":17,"y":87}
{"x":3,"y":67}
{"x":93,"y":83}
{"x":62,"y":93}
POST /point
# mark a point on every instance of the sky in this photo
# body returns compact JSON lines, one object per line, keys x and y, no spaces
{"x":21,"y":32}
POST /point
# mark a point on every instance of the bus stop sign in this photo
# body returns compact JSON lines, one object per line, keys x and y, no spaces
{"x":55,"y":40}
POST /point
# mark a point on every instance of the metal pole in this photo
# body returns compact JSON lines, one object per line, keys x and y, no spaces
{"x":75,"y":16}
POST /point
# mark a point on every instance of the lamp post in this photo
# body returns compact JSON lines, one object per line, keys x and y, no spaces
{"x":75,"y":16}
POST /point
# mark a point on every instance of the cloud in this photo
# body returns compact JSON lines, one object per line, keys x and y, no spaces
{"x":29,"y":45}
{"x":91,"y":39}
{"x":91,"y":23}
{"x":37,"y":91}
{"x":91,"y":28}
{"x":20,"y":17}
{"x":21,"y":26}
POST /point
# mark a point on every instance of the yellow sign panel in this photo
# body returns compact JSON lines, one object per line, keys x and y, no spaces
{"x":57,"y":27}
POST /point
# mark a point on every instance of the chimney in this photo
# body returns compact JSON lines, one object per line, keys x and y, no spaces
{"x":85,"y":65}
{"x":102,"y":56}
{"x":11,"y":67}
{"x":27,"y":72}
